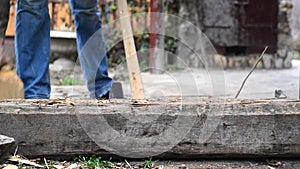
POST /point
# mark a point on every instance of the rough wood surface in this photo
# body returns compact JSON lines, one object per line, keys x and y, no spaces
{"x":244,"y":128}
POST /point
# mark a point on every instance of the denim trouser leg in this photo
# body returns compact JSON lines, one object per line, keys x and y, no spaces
{"x":32,"y":42}
{"x":91,"y":46}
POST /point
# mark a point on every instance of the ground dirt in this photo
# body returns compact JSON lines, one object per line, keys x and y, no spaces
{"x":195,"y":164}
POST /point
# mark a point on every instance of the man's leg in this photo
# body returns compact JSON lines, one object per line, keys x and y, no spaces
{"x":91,"y":47}
{"x":4,"y":16}
{"x":32,"y":39}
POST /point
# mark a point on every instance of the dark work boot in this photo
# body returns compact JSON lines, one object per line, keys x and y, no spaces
{"x":104,"y":97}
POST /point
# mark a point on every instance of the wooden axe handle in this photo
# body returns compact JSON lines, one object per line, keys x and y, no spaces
{"x":137,"y":89}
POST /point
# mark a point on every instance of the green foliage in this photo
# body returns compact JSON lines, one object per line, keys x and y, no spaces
{"x":116,"y":54}
{"x":149,"y":163}
{"x":296,"y":55}
{"x":95,"y":162}
{"x":274,"y":163}
{"x":170,"y":44}
{"x":50,"y":164}
{"x":172,"y":6}
{"x":113,"y":7}
{"x":142,"y":41}
{"x":171,"y":67}
{"x":68,"y":81}
{"x":144,"y":66}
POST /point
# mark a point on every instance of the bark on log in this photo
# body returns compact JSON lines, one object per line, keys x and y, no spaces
{"x":216,"y":128}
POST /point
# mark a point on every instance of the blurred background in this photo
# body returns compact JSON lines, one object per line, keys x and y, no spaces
{"x":239,"y":30}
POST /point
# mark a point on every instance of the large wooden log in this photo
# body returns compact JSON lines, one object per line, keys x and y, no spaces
{"x":212,"y":127}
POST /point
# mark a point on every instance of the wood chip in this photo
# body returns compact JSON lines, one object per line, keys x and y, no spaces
{"x":73,"y":166}
{"x":58,"y":166}
{"x":24,"y":161}
{"x":10,"y":166}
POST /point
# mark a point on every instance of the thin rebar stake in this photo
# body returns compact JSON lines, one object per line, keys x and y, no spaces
{"x":257,"y":61}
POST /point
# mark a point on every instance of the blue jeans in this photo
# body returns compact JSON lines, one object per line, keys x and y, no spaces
{"x":32,"y":39}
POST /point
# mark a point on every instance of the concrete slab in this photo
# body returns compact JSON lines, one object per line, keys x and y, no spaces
{"x":175,"y":127}
{"x":261,"y":84}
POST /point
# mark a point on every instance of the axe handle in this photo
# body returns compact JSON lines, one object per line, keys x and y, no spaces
{"x":137,"y":89}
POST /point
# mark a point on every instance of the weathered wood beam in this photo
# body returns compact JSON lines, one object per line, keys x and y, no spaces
{"x":239,"y":128}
